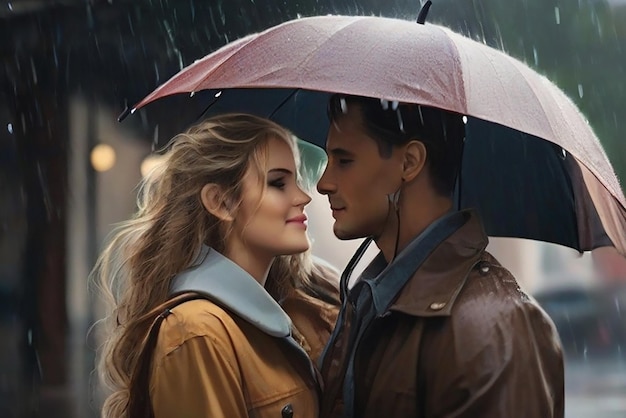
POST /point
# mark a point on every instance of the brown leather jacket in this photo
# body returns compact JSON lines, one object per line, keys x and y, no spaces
{"x":461,"y":340}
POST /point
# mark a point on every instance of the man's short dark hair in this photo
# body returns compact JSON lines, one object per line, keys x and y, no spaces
{"x":393,"y":124}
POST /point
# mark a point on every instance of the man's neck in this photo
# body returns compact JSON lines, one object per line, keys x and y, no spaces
{"x":414,"y":216}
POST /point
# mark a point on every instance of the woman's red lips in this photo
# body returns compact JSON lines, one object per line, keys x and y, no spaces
{"x":298,"y":219}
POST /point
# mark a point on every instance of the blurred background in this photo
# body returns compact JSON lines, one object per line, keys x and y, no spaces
{"x":68,"y":169}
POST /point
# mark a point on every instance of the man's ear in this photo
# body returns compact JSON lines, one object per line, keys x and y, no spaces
{"x":213,"y":200}
{"x":414,"y":160}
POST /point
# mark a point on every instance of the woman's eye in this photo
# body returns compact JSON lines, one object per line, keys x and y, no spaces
{"x":345,"y":161}
{"x":278,"y":183}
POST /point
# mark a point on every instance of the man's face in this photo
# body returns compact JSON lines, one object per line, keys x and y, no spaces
{"x":357,"y":180}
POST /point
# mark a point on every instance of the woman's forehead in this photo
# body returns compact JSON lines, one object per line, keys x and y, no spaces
{"x":280,"y":154}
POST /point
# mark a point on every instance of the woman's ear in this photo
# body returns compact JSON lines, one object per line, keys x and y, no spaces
{"x":214,"y":202}
{"x":414,"y":160}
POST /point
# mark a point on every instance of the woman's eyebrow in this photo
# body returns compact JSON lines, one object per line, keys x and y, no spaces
{"x":280,"y":170}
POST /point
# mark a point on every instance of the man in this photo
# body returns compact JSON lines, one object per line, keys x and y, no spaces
{"x":434,"y":326}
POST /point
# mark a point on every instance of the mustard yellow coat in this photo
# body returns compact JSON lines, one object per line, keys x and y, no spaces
{"x":232,"y":355}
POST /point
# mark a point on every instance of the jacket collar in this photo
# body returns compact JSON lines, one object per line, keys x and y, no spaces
{"x":228,"y":285}
{"x":434,"y":287}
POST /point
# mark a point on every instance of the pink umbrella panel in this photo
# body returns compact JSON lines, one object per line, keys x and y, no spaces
{"x":427,"y":64}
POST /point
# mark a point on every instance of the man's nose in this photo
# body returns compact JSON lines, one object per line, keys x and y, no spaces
{"x":325,"y":185}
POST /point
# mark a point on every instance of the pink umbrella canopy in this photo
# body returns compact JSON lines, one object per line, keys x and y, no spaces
{"x":427,"y":64}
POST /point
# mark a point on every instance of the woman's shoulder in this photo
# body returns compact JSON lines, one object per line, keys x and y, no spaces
{"x":313,"y":319}
{"x":196,"y":318}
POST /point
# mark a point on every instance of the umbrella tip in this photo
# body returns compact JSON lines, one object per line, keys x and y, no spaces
{"x":125,"y":112}
{"x":421,"y":17}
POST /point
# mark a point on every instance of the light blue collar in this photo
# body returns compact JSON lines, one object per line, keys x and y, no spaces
{"x":231,"y":287}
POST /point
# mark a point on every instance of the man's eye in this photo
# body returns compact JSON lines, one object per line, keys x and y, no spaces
{"x":345,"y":161}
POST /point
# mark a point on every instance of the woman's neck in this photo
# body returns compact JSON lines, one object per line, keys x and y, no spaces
{"x":256,"y":265}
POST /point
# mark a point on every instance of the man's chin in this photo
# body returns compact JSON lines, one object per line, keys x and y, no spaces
{"x":346,"y":235}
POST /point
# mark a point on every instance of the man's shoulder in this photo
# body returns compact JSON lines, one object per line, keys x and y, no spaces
{"x":491,"y":283}
{"x":492,"y":301}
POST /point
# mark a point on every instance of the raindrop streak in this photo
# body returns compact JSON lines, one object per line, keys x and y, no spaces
{"x":34,"y":71}
{"x":10,"y":128}
{"x":557,"y":15}
{"x":580,"y":91}
{"x":56,"y":58}
{"x":155,"y":137}
{"x":535,"y":56}
{"x":180,"y":59}
{"x":130,"y":25}
{"x":10,"y":6}
{"x":222,"y":14}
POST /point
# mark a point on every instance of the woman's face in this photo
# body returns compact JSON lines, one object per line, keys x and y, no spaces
{"x":272,"y":222}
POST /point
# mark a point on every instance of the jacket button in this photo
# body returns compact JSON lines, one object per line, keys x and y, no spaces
{"x":483,"y":267}
{"x":287,"y":411}
{"x":436,"y":306}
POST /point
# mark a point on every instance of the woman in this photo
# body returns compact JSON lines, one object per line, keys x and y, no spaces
{"x":194,"y":331}
{"x":307,"y":290}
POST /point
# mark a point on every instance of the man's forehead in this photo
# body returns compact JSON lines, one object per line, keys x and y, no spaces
{"x":347,"y":133}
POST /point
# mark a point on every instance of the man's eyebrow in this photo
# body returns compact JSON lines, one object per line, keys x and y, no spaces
{"x":340,"y":152}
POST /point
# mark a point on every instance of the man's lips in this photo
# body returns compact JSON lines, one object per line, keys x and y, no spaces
{"x":336,"y":211}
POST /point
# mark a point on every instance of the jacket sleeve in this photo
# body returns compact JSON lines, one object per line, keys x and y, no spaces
{"x":508,"y":364}
{"x":199,"y":379}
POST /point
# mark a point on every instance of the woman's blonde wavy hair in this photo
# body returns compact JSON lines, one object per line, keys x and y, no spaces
{"x":162,"y":239}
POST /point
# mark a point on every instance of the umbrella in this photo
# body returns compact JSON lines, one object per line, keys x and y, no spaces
{"x":532,"y":165}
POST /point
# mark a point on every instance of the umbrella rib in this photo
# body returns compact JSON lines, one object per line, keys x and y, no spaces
{"x":283,"y":103}
{"x":599,"y":149}
{"x":222,"y":63}
{"x":254,"y":39}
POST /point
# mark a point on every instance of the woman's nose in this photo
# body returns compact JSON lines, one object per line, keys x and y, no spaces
{"x":302,"y":198}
